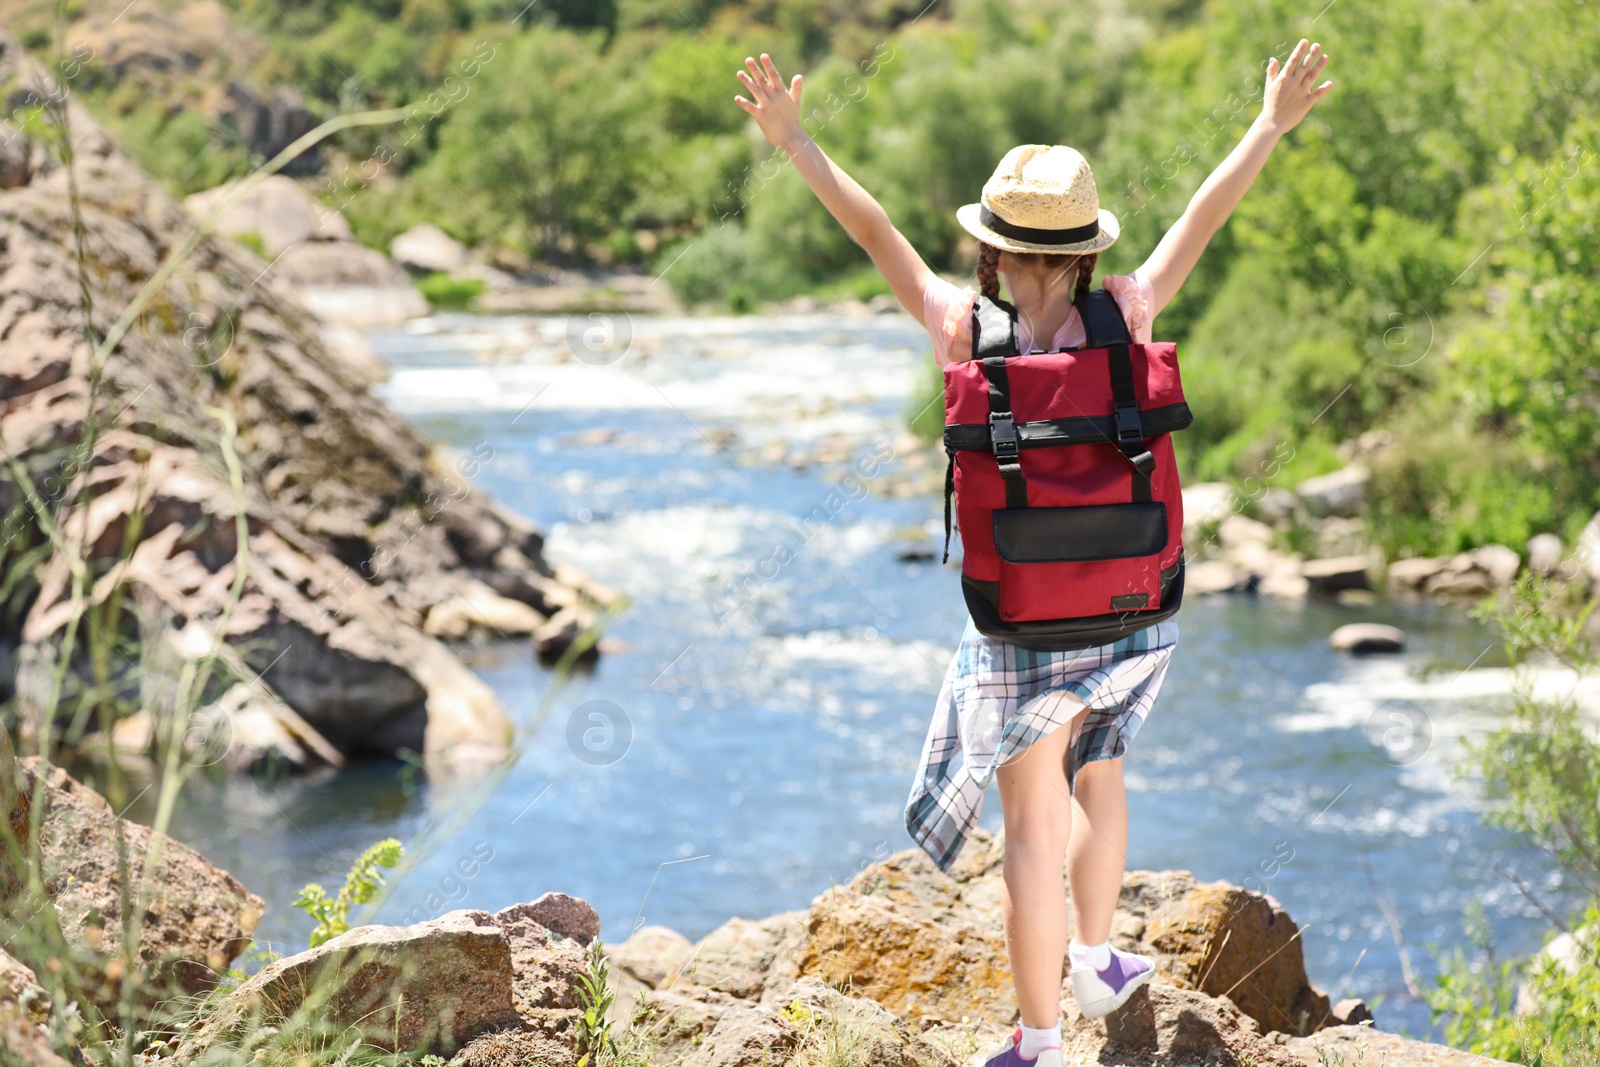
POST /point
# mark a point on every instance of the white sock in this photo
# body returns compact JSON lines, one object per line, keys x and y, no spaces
{"x":1035,"y":1041}
{"x":1096,"y":956}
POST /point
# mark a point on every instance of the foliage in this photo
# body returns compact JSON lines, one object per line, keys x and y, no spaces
{"x":1419,"y":254}
{"x":332,"y":914}
{"x":446,"y":292}
{"x":1480,"y":1000}
{"x":1543,"y":768}
{"x":593,"y":1038}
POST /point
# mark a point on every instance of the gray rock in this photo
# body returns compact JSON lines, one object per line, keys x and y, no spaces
{"x":1338,"y":536}
{"x":428,"y":988}
{"x":1500,"y":562}
{"x":1544,"y":553}
{"x":1214,"y":576}
{"x":1586,"y":552}
{"x":278,"y":211}
{"x":1413,"y":574}
{"x":1360,"y":638}
{"x":1275,"y":505}
{"x":200,"y":920}
{"x":566,"y":915}
{"x":1205,"y":504}
{"x":746,"y":1036}
{"x":427,"y":248}
{"x":1181,"y":1025}
{"x":1335,"y":573}
{"x":1342,"y":493}
{"x":349,"y":509}
{"x":1461,"y":576}
{"x":16,"y":157}
{"x":654,"y":954}
{"x":1570,"y":950}
{"x":1238,"y":531}
{"x":1352,"y":1011}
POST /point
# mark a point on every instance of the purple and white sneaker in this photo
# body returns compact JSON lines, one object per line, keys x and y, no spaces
{"x":1008,"y":1056}
{"x":1103,"y":992}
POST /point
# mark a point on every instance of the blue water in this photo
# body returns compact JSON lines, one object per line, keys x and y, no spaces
{"x":752,"y":733}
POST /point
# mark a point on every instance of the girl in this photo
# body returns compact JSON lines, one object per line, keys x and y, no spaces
{"x":1040,"y":229}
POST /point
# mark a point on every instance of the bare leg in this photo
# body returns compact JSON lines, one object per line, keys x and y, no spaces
{"x":1099,"y":848}
{"x":1038,"y":824}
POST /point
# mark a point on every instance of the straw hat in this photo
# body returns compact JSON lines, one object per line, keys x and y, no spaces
{"x":1041,"y":198}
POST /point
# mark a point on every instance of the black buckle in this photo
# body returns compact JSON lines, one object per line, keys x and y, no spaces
{"x":1003,"y":434}
{"x":1130,"y":427}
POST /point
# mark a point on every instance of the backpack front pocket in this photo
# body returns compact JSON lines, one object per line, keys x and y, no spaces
{"x":1089,"y":560}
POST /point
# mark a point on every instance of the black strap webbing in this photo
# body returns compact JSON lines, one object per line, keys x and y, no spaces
{"x":1003,"y":436}
{"x":1128,"y":422}
{"x":1103,"y":323}
{"x":949,"y":491}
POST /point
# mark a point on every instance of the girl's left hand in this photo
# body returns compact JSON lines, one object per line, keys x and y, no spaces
{"x":1289,"y":93}
{"x":776,"y":110}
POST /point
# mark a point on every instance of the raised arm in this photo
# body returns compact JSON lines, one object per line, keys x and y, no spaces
{"x":1288,"y":97}
{"x":777,"y":111}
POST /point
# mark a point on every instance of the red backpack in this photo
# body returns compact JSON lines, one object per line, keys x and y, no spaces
{"x":1065,"y":484}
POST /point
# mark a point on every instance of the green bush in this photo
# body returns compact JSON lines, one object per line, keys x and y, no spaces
{"x":446,"y":292}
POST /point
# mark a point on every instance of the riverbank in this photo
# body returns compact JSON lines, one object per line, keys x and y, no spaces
{"x":902,"y":965}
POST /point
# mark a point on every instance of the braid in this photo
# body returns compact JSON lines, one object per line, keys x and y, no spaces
{"x":1086,"y":265}
{"x":989,"y":270}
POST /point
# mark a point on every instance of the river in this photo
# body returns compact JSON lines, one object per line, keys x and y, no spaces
{"x":751,"y":735}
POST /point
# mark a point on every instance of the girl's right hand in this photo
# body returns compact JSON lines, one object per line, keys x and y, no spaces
{"x":775,"y":109}
{"x":1289,"y":93}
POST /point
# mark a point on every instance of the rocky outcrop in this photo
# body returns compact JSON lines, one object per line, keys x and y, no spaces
{"x":1232,"y":552}
{"x":875,"y":968}
{"x":430,"y":988}
{"x":845,"y":980}
{"x":310,"y":250}
{"x":356,"y":530}
{"x":193,"y":919}
{"x":192,"y":55}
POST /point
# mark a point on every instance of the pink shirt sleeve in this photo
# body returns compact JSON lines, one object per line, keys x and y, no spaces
{"x":1135,"y":296}
{"x":947,"y":313}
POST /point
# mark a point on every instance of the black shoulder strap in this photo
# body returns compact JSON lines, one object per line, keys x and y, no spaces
{"x":994,"y":327}
{"x":1103,"y":323}
{"x":1104,"y":327}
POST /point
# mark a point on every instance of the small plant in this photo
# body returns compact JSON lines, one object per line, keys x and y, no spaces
{"x":364,"y":880}
{"x":594,"y":1040}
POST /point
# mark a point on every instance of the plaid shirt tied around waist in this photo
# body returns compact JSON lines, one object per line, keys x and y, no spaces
{"x":997,"y":699}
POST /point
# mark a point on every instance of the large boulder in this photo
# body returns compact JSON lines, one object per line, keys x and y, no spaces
{"x":1362,"y":638}
{"x":1175,"y":1024}
{"x":446,"y":984}
{"x":276,"y":211}
{"x":426,"y":248}
{"x":1223,"y":940}
{"x":428,"y":988}
{"x":356,"y":527}
{"x":193,"y":918}
{"x":1342,"y":493}
{"x":1335,"y":573}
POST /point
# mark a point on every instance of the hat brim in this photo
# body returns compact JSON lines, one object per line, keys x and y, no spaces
{"x":967,"y":216}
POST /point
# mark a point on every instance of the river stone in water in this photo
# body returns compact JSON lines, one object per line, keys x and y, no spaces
{"x":1360,"y":638}
{"x":1338,"y":572}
